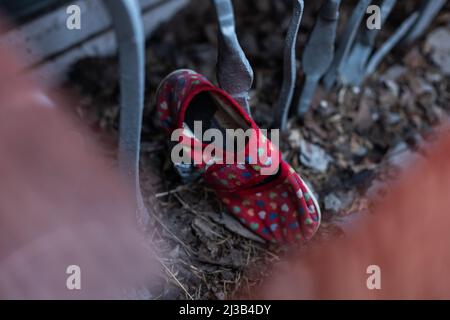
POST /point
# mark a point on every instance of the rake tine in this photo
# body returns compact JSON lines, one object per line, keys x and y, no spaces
{"x":289,"y":68}
{"x":309,"y":88}
{"x":353,"y":68}
{"x":378,"y":56}
{"x":428,"y":11}
{"x":345,"y":42}
{"x":318,"y":52}
{"x":127,"y":21}
{"x":234,"y":73}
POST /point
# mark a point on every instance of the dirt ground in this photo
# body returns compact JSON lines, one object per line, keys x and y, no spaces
{"x":351,"y":141}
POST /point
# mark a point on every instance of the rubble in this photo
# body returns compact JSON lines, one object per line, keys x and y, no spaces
{"x":313,"y":156}
{"x":437,"y":45}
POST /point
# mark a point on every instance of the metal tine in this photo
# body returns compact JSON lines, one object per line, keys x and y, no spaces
{"x":378,"y":56}
{"x":289,"y":68}
{"x":345,"y":42}
{"x":126,"y":16}
{"x":234,"y":73}
{"x":354,"y":66}
{"x":318,"y":52}
{"x":428,"y":11}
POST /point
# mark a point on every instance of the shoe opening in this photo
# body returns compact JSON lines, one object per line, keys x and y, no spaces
{"x":212,"y":112}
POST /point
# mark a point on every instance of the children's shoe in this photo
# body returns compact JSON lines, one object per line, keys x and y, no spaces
{"x":248,"y":175}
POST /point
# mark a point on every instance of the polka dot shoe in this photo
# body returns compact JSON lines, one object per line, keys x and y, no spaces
{"x":237,"y":161}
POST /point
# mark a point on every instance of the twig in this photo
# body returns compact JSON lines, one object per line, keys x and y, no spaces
{"x":177,"y":189}
{"x":175,"y":278}
{"x":172,"y":234}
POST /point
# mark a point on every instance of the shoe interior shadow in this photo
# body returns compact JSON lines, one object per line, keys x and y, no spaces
{"x":213,"y":113}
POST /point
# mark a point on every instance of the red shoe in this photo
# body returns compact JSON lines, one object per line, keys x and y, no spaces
{"x":255,"y":184}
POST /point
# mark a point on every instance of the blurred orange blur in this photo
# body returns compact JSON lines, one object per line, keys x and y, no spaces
{"x":408,"y":238}
{"x":61,"y":203}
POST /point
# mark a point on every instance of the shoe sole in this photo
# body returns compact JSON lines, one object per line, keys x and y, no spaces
{"x":316,"y":203}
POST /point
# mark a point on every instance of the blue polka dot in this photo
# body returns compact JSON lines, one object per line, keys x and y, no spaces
{"x":273,"y":215}
{"x":246,"y":174}
{"x":260,"y":203}
{"x":293,"y":225}
{"x":265,"y":230}
{"x":301,"y":211}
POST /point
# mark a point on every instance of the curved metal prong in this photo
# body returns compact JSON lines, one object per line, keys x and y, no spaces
{"x":318,"y":52}
{"x":378,"y":56}
{"x":289,"y":68}
{"x":354,"y":66}
{"x":234,"y":73}
{"x":345,"y":42}
{"x":428,"y":11}
{"x":126,"y":17}
{"x":308,"y":89}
